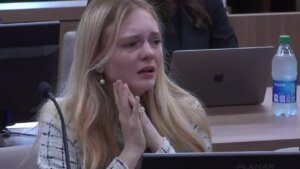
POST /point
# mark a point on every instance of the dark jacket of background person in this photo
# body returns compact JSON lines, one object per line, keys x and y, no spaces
{"x":181,"y":34}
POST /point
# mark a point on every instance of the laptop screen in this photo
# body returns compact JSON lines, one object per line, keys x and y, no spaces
{"x":221,"y":77}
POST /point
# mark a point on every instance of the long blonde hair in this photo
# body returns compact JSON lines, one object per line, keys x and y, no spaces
{"x":91,"y":106}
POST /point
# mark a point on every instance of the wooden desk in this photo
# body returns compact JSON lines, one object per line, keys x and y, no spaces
{"x":253,"y":127}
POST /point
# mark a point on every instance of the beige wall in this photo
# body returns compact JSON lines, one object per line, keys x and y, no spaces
{"x":264,"y":29}
{"x":251,"y":29}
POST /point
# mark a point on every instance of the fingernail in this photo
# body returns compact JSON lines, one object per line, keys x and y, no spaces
{"x":130,"y":96}
{"x":116,"y":82}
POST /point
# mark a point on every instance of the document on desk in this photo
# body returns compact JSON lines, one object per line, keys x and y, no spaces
{"x":29,"y":128}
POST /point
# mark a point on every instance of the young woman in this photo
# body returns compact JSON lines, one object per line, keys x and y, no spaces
{"x":118,"y":101}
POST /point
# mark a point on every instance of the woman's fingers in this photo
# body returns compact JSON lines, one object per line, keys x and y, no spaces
{"x":153,"y":139}
{"x":126,"y":102}
{"x":136,"y":107}
{"x":128,"y":106}
{"x":131,"y":99}
{"x":121,"y":93}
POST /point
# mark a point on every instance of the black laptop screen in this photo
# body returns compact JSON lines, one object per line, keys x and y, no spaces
{"x":223,"y":160}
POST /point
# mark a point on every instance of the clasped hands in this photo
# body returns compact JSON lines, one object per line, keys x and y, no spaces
{"x":137,"y":129}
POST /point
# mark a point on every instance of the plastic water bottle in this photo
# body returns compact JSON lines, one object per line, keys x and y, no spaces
{"x":284,"y":74}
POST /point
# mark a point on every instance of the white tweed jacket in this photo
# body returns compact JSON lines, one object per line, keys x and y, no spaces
{"x":51,"y":154}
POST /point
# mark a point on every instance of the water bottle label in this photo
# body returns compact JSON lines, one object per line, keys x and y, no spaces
{"x":284,"y":91}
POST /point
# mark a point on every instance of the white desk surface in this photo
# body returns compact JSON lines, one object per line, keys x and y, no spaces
{"x":253,"y":127}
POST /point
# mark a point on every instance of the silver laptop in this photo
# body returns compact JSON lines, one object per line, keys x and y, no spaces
{"x":223,"y":77}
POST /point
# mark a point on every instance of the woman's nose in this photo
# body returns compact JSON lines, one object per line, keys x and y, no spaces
{"x":147,"y":51}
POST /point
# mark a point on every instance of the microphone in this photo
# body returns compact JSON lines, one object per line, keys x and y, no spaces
{"x":47,"y":92}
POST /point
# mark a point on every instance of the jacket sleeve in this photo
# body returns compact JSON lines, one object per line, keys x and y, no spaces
{"x":166,"y":147}
{"x":51,"y":153}
{"x":222,"y":34}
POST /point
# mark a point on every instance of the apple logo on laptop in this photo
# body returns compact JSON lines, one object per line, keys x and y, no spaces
{"x":219,"y":77}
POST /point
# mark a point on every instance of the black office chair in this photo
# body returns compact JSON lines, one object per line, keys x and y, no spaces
{"x":66,"y":58}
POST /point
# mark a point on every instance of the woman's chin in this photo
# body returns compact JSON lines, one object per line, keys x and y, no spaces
{"x":140,"y":88}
